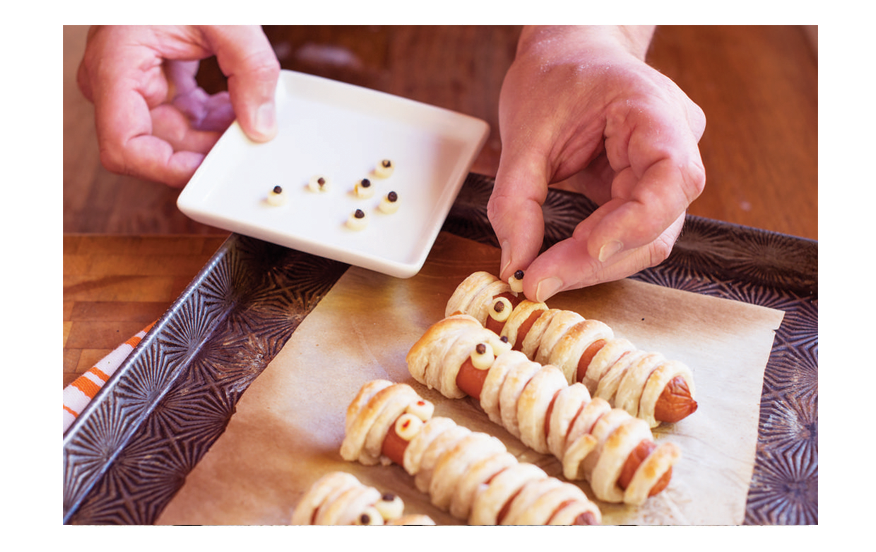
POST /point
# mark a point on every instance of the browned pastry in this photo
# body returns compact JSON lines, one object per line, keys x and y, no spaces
{"x":614,"y":451}
{"x":646,"y":385}
{"x":467,"y":473}
{"x":338,"y":498}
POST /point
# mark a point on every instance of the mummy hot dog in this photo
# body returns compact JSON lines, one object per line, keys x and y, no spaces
{"x":338,"y":498}
{"x":646,"y":385}
{"x":614,"y":451}
{"x":467,"y":473}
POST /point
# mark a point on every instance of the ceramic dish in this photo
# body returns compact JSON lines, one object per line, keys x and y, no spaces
{"x":341,"y":133}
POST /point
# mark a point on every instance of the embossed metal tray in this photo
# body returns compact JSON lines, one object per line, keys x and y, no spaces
{"x":130,"y":451}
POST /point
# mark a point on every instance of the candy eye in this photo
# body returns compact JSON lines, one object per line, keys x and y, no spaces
{"x":370,"y":516}
{"x":482,"y":357}
{"x":500,"y":345}
{"x":501,"y":309}
{"x":364,"y":189}
{"x":389,"y":203}
{"x":407,"y":426}
{"x":318,"y":183}
{"x":357,"y":220}
{"x":516,"y":281}
{"x":276,"y":196}
{"x":421,"y":409}
{"x":384,"y":169}
{"x":390,"y":506}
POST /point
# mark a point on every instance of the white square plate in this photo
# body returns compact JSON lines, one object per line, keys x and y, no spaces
{"x":341,"y":132}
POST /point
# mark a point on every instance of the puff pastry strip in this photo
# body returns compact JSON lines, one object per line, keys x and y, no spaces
{"x":338,"y":498}
{"x":467,"y":473}
{"x":648,"y":386}
{"x":614,"y":451}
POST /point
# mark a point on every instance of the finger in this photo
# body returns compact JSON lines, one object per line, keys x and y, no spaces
{"x":172,"y":126}
{"x":662,"y":174}
{"x":219,"y":113}
{"x":84,"y":82}
{"x":181,"y":76}
{"x":659,"y":198}
{"x":123,"y":122}
{"x":514,"y":209}
{"x":568,"y":264}
{"x":245,"y":56}
{"x":82,"y":77}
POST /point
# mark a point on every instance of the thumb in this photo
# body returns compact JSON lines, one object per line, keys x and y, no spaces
{"x":245,"y":56}
{"x":515,"y":211}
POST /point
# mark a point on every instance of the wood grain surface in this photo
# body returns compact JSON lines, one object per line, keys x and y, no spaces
{"x":128,"y":251}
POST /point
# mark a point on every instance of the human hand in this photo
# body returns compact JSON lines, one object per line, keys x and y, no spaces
{"x":580,"y":105}
{"x":152,"y":119}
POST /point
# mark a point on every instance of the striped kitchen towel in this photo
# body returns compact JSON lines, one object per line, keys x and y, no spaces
{"x":78,"y":394}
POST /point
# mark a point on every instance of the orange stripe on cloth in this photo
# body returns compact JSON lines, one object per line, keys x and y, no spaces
{"x":94,"y":370}
{"x":70,"y":410}
{"x":135,"y":340}
{"x":88,"y":387}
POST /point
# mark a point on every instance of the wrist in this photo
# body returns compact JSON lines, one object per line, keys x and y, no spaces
{"x":596,"y":40}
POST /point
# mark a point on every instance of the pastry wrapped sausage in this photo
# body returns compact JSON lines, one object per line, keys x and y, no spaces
{"x":469,"y":474}
{"x":646,"y":385}
{"x":614,"y":451}
{"x":338,"y":498}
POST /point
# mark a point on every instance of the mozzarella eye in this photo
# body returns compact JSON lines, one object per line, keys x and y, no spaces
{"x":501,"y":309}
{"x":500,"y":345}
{"x":407,"y":426}
{"x":482,"y":357}
{"x":389,"y":203}
{"x":357,"y":220}
{"x":421,"y":409}
{"x":390,"y":506}
{"x":384,"y":169}
{"x":277,"y":196}
{"x":516,"y":281}
{"x":318,"y":183}
{"x":369,"y":516}
{"x":364,"y":189}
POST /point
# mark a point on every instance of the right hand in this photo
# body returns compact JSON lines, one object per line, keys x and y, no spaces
{"x":152,"y":119}
{"x":580,"y":103}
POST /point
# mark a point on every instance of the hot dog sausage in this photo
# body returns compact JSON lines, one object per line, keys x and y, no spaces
{"x":535,"y":404}
{"x":469,"y":473}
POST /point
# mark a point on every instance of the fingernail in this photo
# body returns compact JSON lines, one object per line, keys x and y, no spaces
{"x":506,"y":257}
{"x":609,"y":250}
{"x":547,"y":288}
{"x":266,"y":119}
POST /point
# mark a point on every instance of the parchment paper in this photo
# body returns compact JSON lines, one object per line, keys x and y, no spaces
{"x":289,"y":424}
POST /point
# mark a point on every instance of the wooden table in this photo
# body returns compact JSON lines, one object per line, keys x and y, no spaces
{"x":128,"y":251}
{"x":116,"y":285}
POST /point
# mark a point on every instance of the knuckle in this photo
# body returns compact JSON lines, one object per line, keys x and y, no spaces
{"x":263,"y":66}
{"x":694,"y":180}
{"x":112,"y":160}
{"x":659,"y":250}
{"x":497,"y":206}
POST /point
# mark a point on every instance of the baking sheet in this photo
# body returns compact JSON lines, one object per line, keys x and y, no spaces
{"x":289,"y":424}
